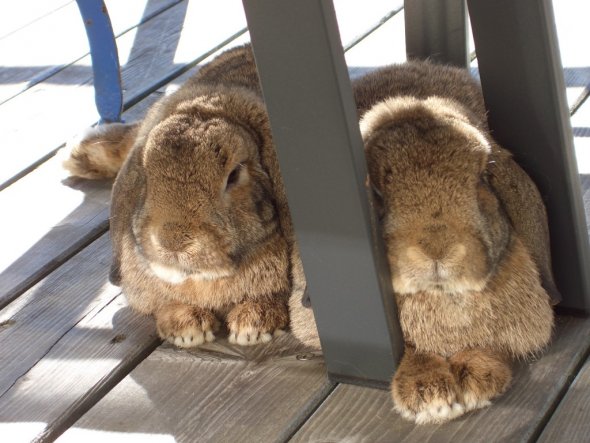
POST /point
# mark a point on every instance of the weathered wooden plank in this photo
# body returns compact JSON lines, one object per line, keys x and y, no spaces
{"x":64,"y":343}
{"x":154,"y":51}
{"x":60,"y":217}
{"x":365,"y":415}
{"x":23,"y":14}
{"x":36,"y":122}
{"x":49,"y":309}
{"x":60,"y":39}
{"x":210,"y":397}
{"x":571,"y":420}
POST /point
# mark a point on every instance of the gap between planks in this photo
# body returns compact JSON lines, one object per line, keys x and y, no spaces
{"x":356,"y":414}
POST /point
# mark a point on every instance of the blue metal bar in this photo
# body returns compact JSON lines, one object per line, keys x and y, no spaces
{"x":105,"y":60}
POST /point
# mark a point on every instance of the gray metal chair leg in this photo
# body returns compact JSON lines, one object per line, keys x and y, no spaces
{"x":314,"y":122}
{"x":105,"y":60}
{"x":437,"y":30}
{"x":524,"y":90}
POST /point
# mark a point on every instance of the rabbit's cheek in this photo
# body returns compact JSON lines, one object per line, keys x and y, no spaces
{"x":454,"y":270}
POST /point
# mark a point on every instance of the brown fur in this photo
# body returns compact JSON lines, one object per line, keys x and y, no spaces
{"x":425,"y":381}
{"x":481,"y":375}
{"x":460,"y":102}
{"x":199,"y":219}
{"x":459,"y":219}
{"x":100,"y":152}
{"x":429,"y":388}
{"x":519,"y":196}
{"x":445,"y":191}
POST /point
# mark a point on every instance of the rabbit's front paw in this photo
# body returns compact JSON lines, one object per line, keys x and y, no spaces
{"x":481,"y":375}
{"x":255,"y":322}
{"x":186,"y":326}
{"x":427,"y":397}
{"x":424,"y":389}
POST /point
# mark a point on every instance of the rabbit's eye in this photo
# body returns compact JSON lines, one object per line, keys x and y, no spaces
{"x":485,"y":177}
{"x":378,"y":202}
{"x":233,"y":177}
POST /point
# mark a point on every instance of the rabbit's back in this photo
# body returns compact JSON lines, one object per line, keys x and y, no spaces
{"x":419,"y":80}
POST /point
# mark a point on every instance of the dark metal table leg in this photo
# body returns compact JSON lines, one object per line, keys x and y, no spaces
{"x":314,"y":122}
{"x":437,"y":30}
{"x":105,"y":60}
{"x":524,"y":90}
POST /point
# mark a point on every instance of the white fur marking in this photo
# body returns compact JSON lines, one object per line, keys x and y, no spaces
{"x":191,"y":337}
{"x":249,"y":337}
{"x":168,"y":273}
{"x":439,"y":412}
{"x":472,"y":402}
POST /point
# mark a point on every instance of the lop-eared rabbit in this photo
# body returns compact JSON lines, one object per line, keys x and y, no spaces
{"x":199,"y":222}
{"x":201,"y":228}
{"x":466,"y":239}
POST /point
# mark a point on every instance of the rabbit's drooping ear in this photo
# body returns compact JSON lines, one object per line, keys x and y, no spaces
{"x":128,"y":193}
{"x":525,"y":209}
{"x":115,"y":272}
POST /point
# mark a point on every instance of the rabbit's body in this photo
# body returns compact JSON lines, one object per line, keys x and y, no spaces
{"x":199,"y":221}
{"x":466,"y":238}
{"x":465,"y":227}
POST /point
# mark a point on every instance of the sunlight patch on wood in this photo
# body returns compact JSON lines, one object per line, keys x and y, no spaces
{"x":23,"y":228}
{"x":76,"y":435}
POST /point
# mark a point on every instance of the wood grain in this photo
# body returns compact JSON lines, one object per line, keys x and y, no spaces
{"x":68,"y":340}
{"x":65,"y":343}
{"x":213,"y":397}
{"x":61,"y":215}
{"x":571,"y":420}
{"x":359,"y":414}
{"x":43,"y":314}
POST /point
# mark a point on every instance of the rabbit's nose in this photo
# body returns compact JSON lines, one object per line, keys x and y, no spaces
{"x":436,"y":242}
{"x":433,"y":249}
{"x":173,"y":236}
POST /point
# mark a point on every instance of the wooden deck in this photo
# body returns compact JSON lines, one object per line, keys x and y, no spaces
{"x":77,"y":365}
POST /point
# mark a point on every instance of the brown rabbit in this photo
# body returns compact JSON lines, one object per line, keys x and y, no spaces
{"x":466,"y":238}
{"x":519,"y":198}
{"x":199,"y":221}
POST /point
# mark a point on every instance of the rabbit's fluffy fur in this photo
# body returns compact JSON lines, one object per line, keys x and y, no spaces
{"x":201,"y":229}
{"x":199,"y":221}
{"x":466,"y":238}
